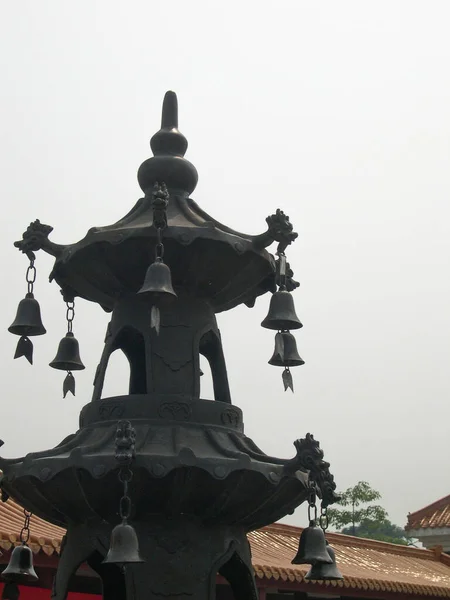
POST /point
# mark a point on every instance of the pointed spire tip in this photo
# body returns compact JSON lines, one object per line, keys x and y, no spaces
{"x":169,"y":118}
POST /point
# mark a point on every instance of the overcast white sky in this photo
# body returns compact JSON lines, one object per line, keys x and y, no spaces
{"x":336,"y":112}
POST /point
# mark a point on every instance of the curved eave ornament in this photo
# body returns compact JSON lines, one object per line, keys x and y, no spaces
{"x":215,"y":489}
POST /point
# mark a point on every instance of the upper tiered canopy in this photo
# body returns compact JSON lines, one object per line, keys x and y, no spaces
{"x":207,"y":259}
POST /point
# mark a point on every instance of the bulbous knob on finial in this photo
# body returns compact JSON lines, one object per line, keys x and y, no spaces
{"x":169,"y":145}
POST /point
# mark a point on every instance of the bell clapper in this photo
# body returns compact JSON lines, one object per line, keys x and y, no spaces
{"x":10,"y":591}
{"x":155,"y":318}
{"x":24,"y":348}
{"x":287,"y":379}
{"x":69,"y":384}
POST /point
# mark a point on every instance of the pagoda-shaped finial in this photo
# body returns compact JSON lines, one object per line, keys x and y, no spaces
{"x":169,"y":145}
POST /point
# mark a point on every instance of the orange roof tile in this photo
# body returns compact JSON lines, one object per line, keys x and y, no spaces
{"x":44,"y":536}
{"x":365,"y":564}
{"x":434,"y":515}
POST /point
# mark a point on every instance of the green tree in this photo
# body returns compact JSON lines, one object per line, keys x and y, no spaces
{"x":361,"y":518}
{"x":384,"y":530}
{"x":356,"y":498}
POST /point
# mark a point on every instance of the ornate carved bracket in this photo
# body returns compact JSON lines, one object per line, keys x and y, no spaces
{"x":160,"y":201}
{"x":288,"y":280}
{"x":125,"y":442}
{"x":36,"y":238}
{"x":309,"y":458}
{"x":280,"y":230}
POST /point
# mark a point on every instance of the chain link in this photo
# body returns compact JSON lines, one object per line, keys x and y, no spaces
{"x":25,"y":532}
{"x":125,"y":440}
{"x":323,"y":519}
{"x":70,"y":315}
{"x":125,"y":476}
{"x":125,"y":507}
{"x":281,"y":270}
{"x":30,"y":276}
{"x":159,"y":248}
{"x":312,"y":507}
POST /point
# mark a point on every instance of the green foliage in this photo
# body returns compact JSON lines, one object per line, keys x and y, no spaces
{"x":360,"y":493}
{"x":354,"y":498}
{"x":358,"y":517}
{"x":382,"y":530}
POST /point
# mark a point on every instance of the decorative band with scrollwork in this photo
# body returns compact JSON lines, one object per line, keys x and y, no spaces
{"x":163,"y":407}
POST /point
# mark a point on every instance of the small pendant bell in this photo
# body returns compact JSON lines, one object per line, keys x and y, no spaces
{"x":281,"y":313}
{"x":28,"y":321}
{"x":323,"y":571}
{"x":285,"y":353}
{"x":158,"y":280}
{"x":20,"y":567}
{"x":312,"y":548}
{"x":68,"y":356}
{"x":124,"y":545}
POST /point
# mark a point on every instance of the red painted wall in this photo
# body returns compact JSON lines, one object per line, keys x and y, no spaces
{"x":32,"y":593}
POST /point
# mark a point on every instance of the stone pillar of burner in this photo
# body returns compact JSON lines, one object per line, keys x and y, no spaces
{"x":183,"y":558}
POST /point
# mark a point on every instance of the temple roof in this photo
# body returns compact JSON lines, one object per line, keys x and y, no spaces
{"x":365,"y":564}
{"x":432,"y":516}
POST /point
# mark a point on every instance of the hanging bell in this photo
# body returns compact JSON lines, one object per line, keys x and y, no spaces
{"x":28,"y":320}
{"x":285,"y":353}
{"x":10,"y":591}
{"x":20,"y":567}
{"x":312,"y":548}
{"x":68,"y":356}
{"x":324,"y":571}
{"x":158,"y":280}
{"x":281,"y":313}
{"x":124,"y":546}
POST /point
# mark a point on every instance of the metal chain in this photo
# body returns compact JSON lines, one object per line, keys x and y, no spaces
{"x":25,"y":532}
{"x":281,"y":270}
{"x":159,"y":248}
{"x":125,"y":476}
{"x":31,"y":276}
{"x":70,"y":314}
{"x":124,"y":453}
{"x":323,"y":519}
{"x":312,"y":508}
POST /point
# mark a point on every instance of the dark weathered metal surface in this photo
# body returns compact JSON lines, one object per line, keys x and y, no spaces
{"x":198,"y":483}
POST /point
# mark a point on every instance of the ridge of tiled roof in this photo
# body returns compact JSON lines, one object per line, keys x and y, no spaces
{"x":436,"y":514}
{"x":358,"y":542}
